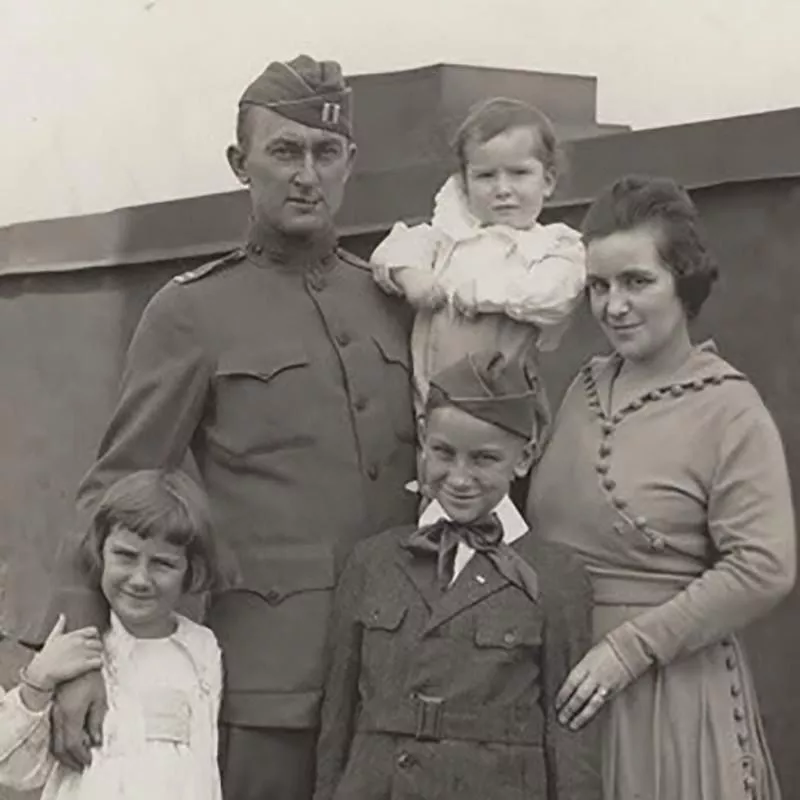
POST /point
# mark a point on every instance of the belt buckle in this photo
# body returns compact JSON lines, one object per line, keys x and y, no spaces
{"x":429,"y":718}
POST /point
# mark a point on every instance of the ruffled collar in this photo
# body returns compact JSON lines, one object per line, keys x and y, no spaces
{"x":452,"y":216}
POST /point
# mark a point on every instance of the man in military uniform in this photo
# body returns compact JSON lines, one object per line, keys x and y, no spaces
{"x":284,"y":371}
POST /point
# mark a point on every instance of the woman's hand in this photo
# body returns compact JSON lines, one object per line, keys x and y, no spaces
{"x":599,"y":675}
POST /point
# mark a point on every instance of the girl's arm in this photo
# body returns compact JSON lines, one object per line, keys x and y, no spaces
{"x":25,"y":760}
{"x":340,"y":700}
{"x":547,"y":293}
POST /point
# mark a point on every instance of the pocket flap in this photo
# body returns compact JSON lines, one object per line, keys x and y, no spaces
{"x":383,"y":616}
{"x":261,"y":364}
{"x":506,"y":632}
{"x":277,"y":572}
{"x":394,"y":351}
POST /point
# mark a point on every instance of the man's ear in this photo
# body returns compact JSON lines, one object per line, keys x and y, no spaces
{"x":236,"y":160}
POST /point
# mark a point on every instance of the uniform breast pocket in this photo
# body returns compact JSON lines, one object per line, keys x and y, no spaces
{"x":507,"y":632}
{"x":259,"y":396}
{"x":395,"y":384}
{"x":382,"y":623}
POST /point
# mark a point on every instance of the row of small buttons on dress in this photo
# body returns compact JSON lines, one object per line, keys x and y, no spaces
{"x":743,"y":736}
{"x":608,"y":425}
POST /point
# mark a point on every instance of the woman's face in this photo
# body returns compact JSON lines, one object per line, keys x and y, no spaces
{"x":633,"y":295}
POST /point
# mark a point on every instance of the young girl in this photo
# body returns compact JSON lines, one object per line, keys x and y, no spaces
{"x":485,"y":275}
{"x":149,"y":544}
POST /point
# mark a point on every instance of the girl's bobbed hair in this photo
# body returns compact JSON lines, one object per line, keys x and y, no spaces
{"x":157,"y":504}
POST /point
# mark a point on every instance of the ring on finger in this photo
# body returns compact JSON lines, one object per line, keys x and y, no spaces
{"x":602,"y":693}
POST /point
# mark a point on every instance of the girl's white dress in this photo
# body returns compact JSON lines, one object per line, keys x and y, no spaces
{"x":160,"y":733}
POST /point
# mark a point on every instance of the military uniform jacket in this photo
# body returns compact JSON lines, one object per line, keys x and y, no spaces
{"x":286,"y":375}
{"x":451,"y":695}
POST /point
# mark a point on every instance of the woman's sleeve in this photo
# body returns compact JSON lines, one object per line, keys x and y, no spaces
{"x":547,"y":292}
{"x":25,"y":760}
{"x":340,"y":698}
{"x":573,"y":757}
{"x":751,"y":523}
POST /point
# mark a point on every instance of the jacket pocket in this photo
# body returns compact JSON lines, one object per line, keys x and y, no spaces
{"x":273,"y":624}
{"x":396,"y":385}
{"x":259,"y":397}
{"x":506,"y":632}
{"x":382,"y":617}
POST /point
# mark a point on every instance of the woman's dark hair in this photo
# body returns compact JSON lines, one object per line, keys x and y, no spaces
{"x":157,"y":504}
{"x":636,"y":201}
{"x":499,"y":114}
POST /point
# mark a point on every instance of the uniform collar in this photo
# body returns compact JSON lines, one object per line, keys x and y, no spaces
{"x":511,"y":520}
{"x":268,"y":247}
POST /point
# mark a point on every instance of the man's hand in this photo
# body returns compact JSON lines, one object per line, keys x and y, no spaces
{"x":420,"y":288}
{"x":78,"y":712}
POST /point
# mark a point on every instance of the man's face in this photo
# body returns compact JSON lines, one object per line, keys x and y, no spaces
{"x":296,"y":174}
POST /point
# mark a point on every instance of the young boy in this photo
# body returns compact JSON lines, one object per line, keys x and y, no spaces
{"x":450,"y":641}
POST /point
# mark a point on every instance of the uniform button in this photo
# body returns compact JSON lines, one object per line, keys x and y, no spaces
{"x":258,"y":249}
{"x":640,"y":523}
{"x":608,"y":428}
{"x":609,"y":484}
{"x":360,"y":403}
{"x":750,"y":783}
{"x":736,"y":691}
{"x":730,"y":662}
{"x":509,"y":638}
{"x":658,"y":543}
{"x":273,"y":597}
{"x":743,"y":739}
{"x":372,"y":471}
{"x":404,"y":760}
{"x":601,"y":468}
{"x":676,"y":390}
{"x":619,"y":503}
{"x":738,"y":714}
{"x":605,"y":450}
{"x":619,"y":528}
{"x":636,"y":405}
{"x":343,"y":339}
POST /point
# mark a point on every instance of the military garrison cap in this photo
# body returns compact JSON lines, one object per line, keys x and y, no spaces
{"x":492,"y":388}
{"x":307,"y":91}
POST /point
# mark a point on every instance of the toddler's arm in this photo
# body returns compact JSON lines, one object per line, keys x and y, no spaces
{"x":403,"y":264}
{"x":547,"y":293}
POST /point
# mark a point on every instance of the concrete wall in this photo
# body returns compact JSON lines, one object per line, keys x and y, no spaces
{"x":62,"y":337}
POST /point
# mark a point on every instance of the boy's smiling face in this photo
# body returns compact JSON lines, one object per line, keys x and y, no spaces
{"x":469,"y":463}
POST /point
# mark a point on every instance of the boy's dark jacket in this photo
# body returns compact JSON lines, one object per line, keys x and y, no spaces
{"x":495,"y":657}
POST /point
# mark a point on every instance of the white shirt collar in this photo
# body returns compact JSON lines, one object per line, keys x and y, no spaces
{"x":511,"y":520}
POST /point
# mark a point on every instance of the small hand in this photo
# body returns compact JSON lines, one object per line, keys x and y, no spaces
{"x":65,"y":656}
{"x":382,"y":273}
{"x":420,"y":288}
{"x":599,"y":675}
{"x":464,"y":299}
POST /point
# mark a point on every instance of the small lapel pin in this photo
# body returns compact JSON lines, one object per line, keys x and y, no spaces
{"x":480,"y":579}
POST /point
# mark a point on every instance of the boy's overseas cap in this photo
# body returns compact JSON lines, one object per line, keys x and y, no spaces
{"x":492,"y":388}
{"x":307,"y":91}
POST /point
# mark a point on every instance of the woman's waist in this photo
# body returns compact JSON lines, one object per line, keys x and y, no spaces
{"x":625,"y":587}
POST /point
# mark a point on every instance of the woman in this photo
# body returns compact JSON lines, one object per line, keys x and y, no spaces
{"x":666,"y":473}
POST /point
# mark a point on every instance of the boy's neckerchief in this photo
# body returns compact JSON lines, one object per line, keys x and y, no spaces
{"x":483,"y":536}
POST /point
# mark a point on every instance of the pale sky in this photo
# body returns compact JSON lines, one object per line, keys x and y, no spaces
{"x":110,"y":103}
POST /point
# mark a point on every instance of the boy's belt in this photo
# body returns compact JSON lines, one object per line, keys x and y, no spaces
{"x":429,"y":719}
